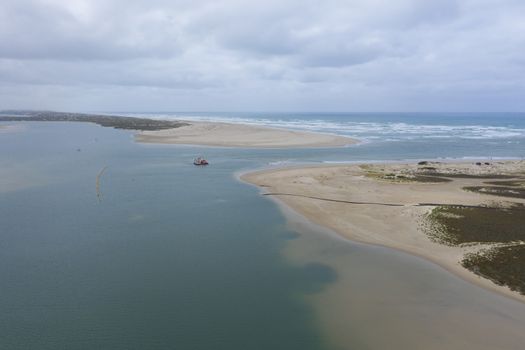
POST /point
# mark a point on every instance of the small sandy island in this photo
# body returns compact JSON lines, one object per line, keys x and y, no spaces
{"x":407,"y":207}
{"x":9,"y":128}
{"x":241,"y":135}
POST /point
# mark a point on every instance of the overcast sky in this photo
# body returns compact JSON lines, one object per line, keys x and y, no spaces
{"x":285,"y":55}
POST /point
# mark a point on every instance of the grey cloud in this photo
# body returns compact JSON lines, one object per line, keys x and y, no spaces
{"x":38,"y":30}
{"x":130,"y":73}
{"x":278,"y":54}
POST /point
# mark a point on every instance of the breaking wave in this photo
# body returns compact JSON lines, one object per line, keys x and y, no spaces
{"x":367,"y":131}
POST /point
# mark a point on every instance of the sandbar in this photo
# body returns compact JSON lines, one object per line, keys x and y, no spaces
{"x":241,"y":135}
{"x":369,"y":209}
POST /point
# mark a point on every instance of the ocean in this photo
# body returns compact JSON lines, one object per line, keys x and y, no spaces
{"x":394,"y":136}
{"x":155,"y":253}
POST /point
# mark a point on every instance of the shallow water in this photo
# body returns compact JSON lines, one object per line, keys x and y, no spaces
{"x":176,"y":256}
{"x":385,"y":299}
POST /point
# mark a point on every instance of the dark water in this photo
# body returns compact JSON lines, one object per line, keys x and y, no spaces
{"x":172,"y":256}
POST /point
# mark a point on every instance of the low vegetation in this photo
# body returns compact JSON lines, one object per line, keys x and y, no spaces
{"x":502,"y":191}
{"x":401,"y":177}
{"x":410,"y":178}
{"x":510,"y":183}
{"x":467,"y":176}
{"x":504,"y":227}
{"x":500,"y":230}
{"x":455,"y":225}
{"x":502,"y":265}
{"x":429,"y":179}
{"x":116,"y":122}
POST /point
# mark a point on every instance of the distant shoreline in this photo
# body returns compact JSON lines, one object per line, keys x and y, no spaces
{"x":359,"y":207}
{"x":117,"y":122}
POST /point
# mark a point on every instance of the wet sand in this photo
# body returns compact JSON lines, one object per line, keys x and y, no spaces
{"x":241,"y":135}
{"x":360,"y":207}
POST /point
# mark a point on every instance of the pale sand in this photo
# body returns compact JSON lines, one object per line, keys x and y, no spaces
{"x":397,"y":227}
{"x":11,"y":128}
{"x":241,"y":135}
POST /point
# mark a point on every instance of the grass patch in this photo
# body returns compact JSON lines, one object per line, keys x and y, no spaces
{"x":513,"y":192}
{"x":455,"y":225}
{"x":406,"y":177}
{"x":504,"y":266}
{"x":467,"y":176}
{"x":511,"y":183}
{"x":429,"y":179}
{"x":412,"y":178}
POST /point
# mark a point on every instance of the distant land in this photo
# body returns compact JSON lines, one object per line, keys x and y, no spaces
{"x":191,"y":133}
{"x":117,"y":122}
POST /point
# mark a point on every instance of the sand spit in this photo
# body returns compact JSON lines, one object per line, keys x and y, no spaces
{"x":241,"y":135}
{"x":386,"y":204}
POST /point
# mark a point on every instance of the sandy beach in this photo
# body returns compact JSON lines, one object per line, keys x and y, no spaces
{"x":386,"y":212}
{"x":241,"y":135}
